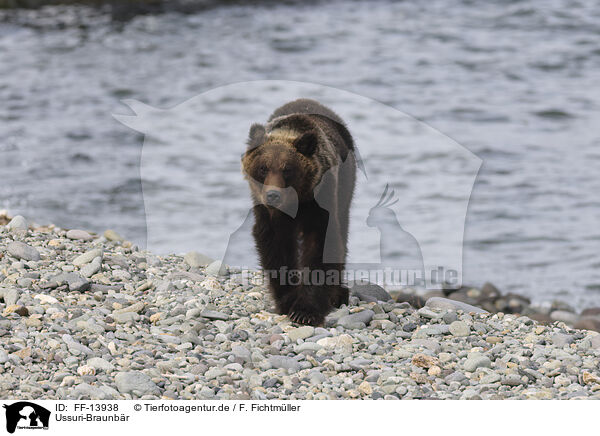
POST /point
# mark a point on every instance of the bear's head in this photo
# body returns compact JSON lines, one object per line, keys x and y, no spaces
{"x":281,"y":166}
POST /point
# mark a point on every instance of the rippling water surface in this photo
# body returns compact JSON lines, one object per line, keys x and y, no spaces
{"x":515,"y":83}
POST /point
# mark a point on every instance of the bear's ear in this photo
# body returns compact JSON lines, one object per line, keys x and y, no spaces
{"x":307,"y":143}
{"x":256,"y":136}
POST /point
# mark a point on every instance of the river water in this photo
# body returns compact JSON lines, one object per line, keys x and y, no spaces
{"x":438,"y":94}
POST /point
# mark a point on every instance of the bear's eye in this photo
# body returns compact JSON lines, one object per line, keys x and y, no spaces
{"x":287,"y":173}
{"x":263,"y":170}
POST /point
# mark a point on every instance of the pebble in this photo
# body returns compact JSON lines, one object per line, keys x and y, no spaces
{"x":196,"y":260}
{"x":46,"y":299}
{"x":364,"y":317}
{"x":16,"y":308}
{"x":18,"y":224}
{"x":365,"y":388}
{"x":241,"y":352}
{"x":441,"y":303}
{"x":284,"y":362}
{"x":135,"y":382}
{"x":92,"y":268}
{"x":100,"y":364}
{"x":126,"y":317}
{"x":87,"y":391}
{"x":369,"y":292}
{"x":459,"y":328}
{"x":343,"y":340}
{"x":512,"y":380}
{"x":490,"y":378}
{"x":111,"y":235}
{"x":157,"y":327}
{"x":81,"y":235}
{"x":424,"y":361}
{"x":424,"y":312}
{"x":477,"y":361}
{"x":86,"y":370}
{"x":87,"y":257}
{"x":75,"y":281}
{"x":11,"y":296}
{"x":216,"y":268}
{"x":213,"y":314}
{"x":20,"y":250}
{"x":301,"y":333}
{"x":561,"y":339}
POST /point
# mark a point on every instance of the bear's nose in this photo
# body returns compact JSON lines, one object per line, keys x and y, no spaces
{"x":273,"y":197}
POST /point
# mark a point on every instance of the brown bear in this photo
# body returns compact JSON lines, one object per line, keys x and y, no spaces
{"x":301,"y":167}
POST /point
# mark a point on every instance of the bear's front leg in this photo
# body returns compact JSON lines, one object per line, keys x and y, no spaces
{"x":276,"y":244}
{"x":314,"y":297}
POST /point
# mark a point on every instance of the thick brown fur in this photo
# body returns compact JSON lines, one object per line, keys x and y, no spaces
{"x":304,"y":159}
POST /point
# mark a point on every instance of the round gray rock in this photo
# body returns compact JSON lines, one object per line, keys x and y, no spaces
{"x":18,"y":223}
{"x":474,"y":362}
{"x":459,"y":328}
{"x":367,"y":291}
{"x":23,"y":251}
{"x":136,"y":383}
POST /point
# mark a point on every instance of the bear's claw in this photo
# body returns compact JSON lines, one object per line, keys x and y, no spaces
{"x":306,"y":318}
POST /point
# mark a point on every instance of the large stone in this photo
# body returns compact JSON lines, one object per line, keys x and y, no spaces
{"x":23,"y":251}
{"x":447,"y":304}
{"x":351,"y":320}
{"x":367,"y":291}
{"x":135,"y":383}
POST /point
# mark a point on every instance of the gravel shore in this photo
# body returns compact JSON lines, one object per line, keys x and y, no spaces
{"x":88,"y":316}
